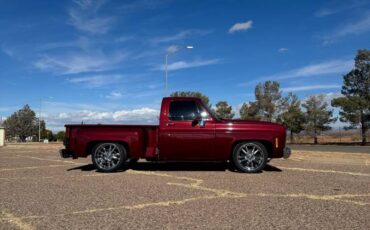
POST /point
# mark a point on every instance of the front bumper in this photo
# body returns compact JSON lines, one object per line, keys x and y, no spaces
{"x":286,"y":152}
{"x":64,"y":153}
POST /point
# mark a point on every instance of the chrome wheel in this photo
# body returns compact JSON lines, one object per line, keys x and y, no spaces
{"x":107,"y":156}
{"x":251,"y":157}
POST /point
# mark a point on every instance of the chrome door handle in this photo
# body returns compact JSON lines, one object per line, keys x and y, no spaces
{"x":170,"y":124}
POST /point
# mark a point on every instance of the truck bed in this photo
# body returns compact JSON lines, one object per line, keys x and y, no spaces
{"x":140,"y":139}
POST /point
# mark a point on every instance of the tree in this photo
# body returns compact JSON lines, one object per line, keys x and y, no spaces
{"x":355,"y":105}
{"x":48,"y":135}
{"x":269,"y":102}
{"x":317,"y":116}
{"x":61,"y":135}
{"x":204,"y":98}
{"x":293,"y":117}
{"x":248,"y":111}
{"x":22,"y":123}
{"x":223,"y":110}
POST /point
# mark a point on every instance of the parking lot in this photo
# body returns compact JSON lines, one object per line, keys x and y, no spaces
{"x":311,"y":190}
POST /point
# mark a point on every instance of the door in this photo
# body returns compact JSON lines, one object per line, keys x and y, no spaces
{"x":183,"y":139}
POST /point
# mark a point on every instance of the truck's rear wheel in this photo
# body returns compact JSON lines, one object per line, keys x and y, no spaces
{"x":108,"y":157}
{"x":250,"y":156}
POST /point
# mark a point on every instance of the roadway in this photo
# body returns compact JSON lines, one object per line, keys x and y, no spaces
{"x":311,"y":190}
{"x":332,"y":148}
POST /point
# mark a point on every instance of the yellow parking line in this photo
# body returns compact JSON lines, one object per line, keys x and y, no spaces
{"x":53,"y":177}
{"x":195,"y":185}
{"x":16,"y":221}
{"x":32,"y":167}
{"x":44,"y":159}
{"x":145,"y":205}
{"x":325,"y":171}
{"x":295,"y":159}
{"x":322,"y":197}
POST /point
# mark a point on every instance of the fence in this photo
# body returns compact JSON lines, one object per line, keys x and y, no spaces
{"x":337,"y":135}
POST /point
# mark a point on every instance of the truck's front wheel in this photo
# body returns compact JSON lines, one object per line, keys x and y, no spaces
{"x":250,"y":156}
{"x":108,"y":157}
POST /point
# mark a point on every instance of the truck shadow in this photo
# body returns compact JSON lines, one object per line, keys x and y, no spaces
{"x":177,"y":166}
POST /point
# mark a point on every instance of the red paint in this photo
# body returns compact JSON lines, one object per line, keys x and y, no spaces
{"x":178,"y":140}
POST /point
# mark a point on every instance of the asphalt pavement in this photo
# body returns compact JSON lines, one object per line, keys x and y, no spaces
{"x":311,"y":190}
{"x":332,"y":148}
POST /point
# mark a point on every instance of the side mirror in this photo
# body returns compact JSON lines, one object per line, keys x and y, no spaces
{"x":200,"y":120}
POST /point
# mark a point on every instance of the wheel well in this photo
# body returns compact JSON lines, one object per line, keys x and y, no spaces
{"x":91,"y":145}
{"x":267,"y":144}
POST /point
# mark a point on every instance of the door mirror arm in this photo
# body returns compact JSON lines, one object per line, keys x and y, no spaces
{"x":202,"y":123}
{"x":199,"y":121}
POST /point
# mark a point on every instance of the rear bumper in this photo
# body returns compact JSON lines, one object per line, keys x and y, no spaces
{"x":65,"y":153}
{"x":287,"y":152}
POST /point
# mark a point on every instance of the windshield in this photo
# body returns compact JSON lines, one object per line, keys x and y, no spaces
{"x":212,"y":112}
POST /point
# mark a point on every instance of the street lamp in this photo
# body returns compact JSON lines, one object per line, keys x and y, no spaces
{"x":40,"y":117}
{"x":166,"y":62}
{"x":40,"y":121}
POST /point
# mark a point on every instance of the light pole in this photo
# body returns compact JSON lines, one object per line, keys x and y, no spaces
{"x":40,"y":115}
{"x":166,"y":63}
{"x":40,"y":121}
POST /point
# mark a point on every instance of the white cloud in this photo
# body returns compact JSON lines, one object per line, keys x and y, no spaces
{"x":309,"y":87}
{"x":143,"y":4}
{"x":184,"y":65}
{"x":335,"y":7}
{"x":97,"y":81}
{"x":57,"y":114}
{"x":84,"y":17}
{"x":328,"y":67}
{"x":155,"y":86}
{"x":82,"y":42}
{"x":8,"y":51}
{"x":172,"y":49}
{"x":8,"y":109}
{"x":358,"y":27}
{"x":241,"y":26}
{"x":143,"y":115}
{"x":145,"y":54}
{"x":282,"y":50}
{"x":338,"y":66}
{"x":79,"y":62}
{"x":55,"y":107}
{"x":328,"y":97}
{"x":114,"y":95}
{"x":124,"y":38}
{"x":354,"y":28}
{"x":180,"y":36}
{"x":170,"y":38}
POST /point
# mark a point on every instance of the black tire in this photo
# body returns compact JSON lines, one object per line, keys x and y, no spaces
{"x":133,"y":161}
{"x":114,"y":158}
{"x":245,"y":161}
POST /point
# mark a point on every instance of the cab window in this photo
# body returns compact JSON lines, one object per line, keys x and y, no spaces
{"x":184,"y":110}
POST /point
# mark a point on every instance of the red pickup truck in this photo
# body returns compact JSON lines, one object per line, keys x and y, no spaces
{"x":188,"y":131}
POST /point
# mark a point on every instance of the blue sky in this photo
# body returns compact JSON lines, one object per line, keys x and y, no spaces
{"x":102,"y":61}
